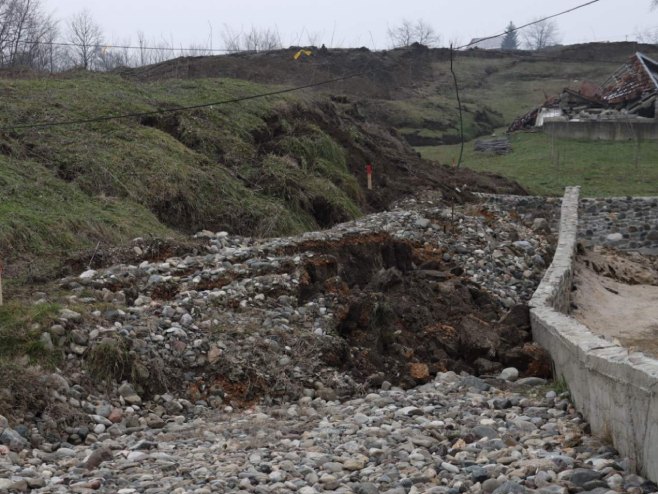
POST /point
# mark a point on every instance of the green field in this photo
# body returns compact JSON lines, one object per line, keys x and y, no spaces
{"x":545,"y":167}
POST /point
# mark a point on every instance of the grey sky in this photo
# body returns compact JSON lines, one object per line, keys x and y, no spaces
{"x":355,"y":22}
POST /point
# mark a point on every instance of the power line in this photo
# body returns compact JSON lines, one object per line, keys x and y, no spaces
{"x":173,"y":110}
{"x":245,"y":98}
{"x":528,"y":24}
{"x":130,"y":47}
{"x":227,"y":50}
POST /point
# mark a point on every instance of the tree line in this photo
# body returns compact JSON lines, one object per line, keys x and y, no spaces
{"x":541,"y":34}
{"x":31,"y":37}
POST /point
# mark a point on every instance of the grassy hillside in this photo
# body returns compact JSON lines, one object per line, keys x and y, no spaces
{"x":412,"y":89}
{"x":266,"y":166}
{"x":286,"y":164}
{"x":66,"y":187}
{"x":545,"y":167}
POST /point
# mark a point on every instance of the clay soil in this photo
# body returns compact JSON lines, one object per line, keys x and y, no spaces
{"x":617,"y":296}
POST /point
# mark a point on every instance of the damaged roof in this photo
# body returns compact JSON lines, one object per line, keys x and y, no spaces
{"x":634,"y":80}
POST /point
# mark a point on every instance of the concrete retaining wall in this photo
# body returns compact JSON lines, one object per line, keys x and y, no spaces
{"x":603,"y":130}
{"x":614,"y":389}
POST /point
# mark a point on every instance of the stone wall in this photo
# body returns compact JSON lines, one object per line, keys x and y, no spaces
{"x":603,"y":130}
{"x":614,"y":389}
{"x":626,"y":223}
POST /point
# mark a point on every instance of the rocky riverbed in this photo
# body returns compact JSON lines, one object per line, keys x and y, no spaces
{"x":454,"y":434}
{"x":308,"y":364}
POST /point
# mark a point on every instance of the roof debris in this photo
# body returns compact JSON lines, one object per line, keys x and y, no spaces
{"x":630,"y":92}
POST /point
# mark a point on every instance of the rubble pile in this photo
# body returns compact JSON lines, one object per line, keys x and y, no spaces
{"x":628,"y":94}
{"x":387,"y":301}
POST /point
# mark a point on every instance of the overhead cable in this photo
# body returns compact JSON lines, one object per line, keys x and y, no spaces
{"x":537,"y":21}
{"x":106,"y":118}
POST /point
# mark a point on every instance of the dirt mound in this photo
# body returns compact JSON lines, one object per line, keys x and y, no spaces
{"x":406,"y":313}
{"x":380,"y":74}
{"x":630,"y":268}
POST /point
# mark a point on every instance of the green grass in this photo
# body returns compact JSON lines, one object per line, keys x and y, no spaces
{"x":436,"y":116}
{"x":511,"y":85}
{"x":601,"y":168}
{"x":67,"y":188}
{"x":64,"y":189}
{"x":41,"y":213}
{"x":21,"y":326}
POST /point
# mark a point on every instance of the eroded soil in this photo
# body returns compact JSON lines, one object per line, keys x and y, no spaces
{"x":617,"y":297}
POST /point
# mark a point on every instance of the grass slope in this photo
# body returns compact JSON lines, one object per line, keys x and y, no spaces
{"x":64,"y":188}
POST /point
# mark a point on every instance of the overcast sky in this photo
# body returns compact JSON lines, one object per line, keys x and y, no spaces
{"x":355,"y":22}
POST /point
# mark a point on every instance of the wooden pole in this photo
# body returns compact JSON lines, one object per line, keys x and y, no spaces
{"x":1,"y":268}
{"x":369,"y":181}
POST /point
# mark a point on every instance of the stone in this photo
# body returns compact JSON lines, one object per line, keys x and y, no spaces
{"x":115,"y":416}
{"x":354,"y":464}
{"x":97,"y":457}
{"x":70,"y":315}
{"x":214,"y":355}
{"x":482,"y":431}
{"x":366,"y":488}
{"x":540,"y":225}
{"x":510,"y":488}
{"x":509,"y":374}
{"x":128,"y":393}
{"x":154,"y":421}
{"x":490,"y":485}
{"x":47,"y":342}
{"x":479,"y":474}
{"x":582,"y":476}
{"x":420,"y":372}
{"x":13,"y":440}
{"x":476,"y":383}
{"x":449,"y":467}
{"x":531,"y":381}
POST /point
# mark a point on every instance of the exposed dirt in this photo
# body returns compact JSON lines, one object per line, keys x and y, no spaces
{"x":386,"y":74}
{"x":406,"y":314}
{"x":617,"y":297}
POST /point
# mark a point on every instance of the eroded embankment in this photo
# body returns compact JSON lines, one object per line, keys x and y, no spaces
{"x":395,"y":297}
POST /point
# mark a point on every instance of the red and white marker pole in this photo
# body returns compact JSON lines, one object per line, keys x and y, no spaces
{"x":369,"y":175}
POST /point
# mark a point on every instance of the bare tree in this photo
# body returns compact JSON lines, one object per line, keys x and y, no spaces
{"x":649,"y":36}
{"x":541,"y":34}
{"x":254,"y":40}
{"x":231,"y":39}
{"x":47,"y":55}
{"x":113,"y":57}
{"x":261,"y":40}
{"x":87,"y":37}
{"x":313,"y":38}
{"x":408,"y":33}
{"x":24,"y":28}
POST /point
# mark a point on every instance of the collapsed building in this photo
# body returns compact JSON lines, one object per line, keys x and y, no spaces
{"x":623,"y":107}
